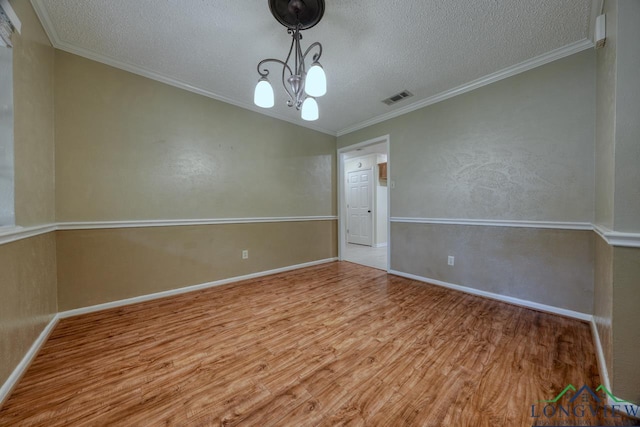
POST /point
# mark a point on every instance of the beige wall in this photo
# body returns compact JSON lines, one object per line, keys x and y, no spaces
{"x":546,"y":266}
{"x":627,"y":144}
{"x":28,"y":267}
{"x":518,"y":149}
{"x":33,"y":62}
{"x":128,"y":147}
{"x":605,"y":120}
{"x":97,"y":266}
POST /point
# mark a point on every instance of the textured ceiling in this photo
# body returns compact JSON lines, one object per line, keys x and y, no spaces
{"x":372,"y":48}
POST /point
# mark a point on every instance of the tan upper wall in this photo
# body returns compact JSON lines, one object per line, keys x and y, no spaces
{"x":518,"y":149}
{"x":33,"y":71}
{"x":606,"y":120}
{"x":128,"y":147}
{"x":627,"y":136}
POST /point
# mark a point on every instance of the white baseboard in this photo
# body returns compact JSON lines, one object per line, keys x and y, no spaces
{"x":19,"y":371}
{"x":602,"y":364}
{"x":164,"y":294}
{"x":511,"y":300}
{"x":604,"y":377}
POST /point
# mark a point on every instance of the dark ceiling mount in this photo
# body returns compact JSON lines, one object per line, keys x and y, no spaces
{"x":302,"y":14}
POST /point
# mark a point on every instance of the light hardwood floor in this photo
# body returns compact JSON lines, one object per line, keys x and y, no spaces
{"x":334,"y":344}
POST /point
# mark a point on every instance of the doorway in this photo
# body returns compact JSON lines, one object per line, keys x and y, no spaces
{"x":364,"y":202}
{"x":359,"y":199}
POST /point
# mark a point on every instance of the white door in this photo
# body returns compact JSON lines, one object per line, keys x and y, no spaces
{"x":359,"y":202}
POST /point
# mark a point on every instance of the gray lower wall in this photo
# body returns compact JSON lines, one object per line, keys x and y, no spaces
{"x":547,"y":266}
{"x":626,"y":321}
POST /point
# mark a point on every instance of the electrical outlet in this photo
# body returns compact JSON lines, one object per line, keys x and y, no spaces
{"x":451,"y":260}
{"x":245,"y":254}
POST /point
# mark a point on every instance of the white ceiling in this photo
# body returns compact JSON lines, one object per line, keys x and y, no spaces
{"x":372,"y":48}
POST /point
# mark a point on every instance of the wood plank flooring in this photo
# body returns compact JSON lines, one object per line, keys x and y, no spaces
{"x":336,"y":344}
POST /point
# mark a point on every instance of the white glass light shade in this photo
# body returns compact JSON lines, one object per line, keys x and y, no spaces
{"x":316,"y":81}
{"x":263,"y":96}
{"x":310,"y":110}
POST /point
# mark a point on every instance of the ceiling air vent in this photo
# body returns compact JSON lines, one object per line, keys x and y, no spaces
{"x":397,"y":97}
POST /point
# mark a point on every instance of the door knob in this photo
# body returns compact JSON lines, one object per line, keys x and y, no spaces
{"x":369,"y":211}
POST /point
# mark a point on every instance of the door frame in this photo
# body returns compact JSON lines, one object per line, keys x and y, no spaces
{"x":342,"y":204}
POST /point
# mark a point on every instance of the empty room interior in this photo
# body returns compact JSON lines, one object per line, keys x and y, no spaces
{"x":310,"y":212}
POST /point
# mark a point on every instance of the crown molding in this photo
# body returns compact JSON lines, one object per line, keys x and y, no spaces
{"x":551,"y":56}
{"x":45,"y":20}
{"x":58,"y":43}
{"x":527,"y":65}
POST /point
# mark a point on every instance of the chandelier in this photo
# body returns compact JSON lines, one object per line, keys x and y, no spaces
{"x":302,"y":85}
